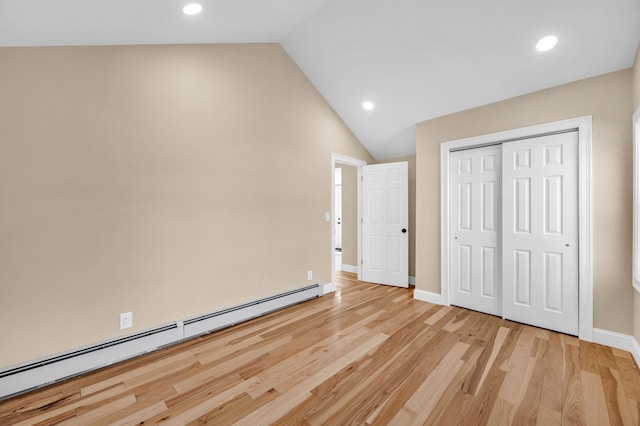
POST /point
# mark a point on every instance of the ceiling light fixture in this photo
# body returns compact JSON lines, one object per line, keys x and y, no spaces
{"x":192,"y":8}
{"x":368,"y":105}
{"x":546,"y":43}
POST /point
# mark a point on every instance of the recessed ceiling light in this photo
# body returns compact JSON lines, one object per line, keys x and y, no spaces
{"x":192,"y":8}
{"x":368,"y":105}
{"x":546,"y":43}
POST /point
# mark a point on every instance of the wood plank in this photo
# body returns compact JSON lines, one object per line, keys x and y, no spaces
{"x":438,"y":315}
{"x":548,"y":416}
{"x":553,"y":374}
{"x":454,"y":412}
{"x":634,"y":407}
{"x":457,"y":322}
{"x":93,"y":416}
{"x":312,"y":360}
{"x":43,"y":400}
{"x":606,"y":360}
{"x":418,"y":408}
{"x":622,"y":402}
{"x":527,"y":410}
{"x":486,"y":363}
{"x":65,"y":409}
{"x":610,"y":389}
{"x":630,"y":377}
{"x":620,"y":353}
{"x":501,"y":414}
{"x":227,"y":367}
{"x":504,"y":356}
{"x":138,"y":417}
{"x":205,"y":406}
{"x":518,"y":370}
{"x":453,"y":390}
{"x":478,"y":409}
{"x":573,"y":400}
{"x":217,"y":352}
{"x":595,"y":405}
{"x":570,"y":340}
{"x":232,"y":411}
{"x":589,"y":357}
{"x":153,"y":367}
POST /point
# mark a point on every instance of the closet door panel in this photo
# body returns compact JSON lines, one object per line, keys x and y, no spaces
{"x":540,"y":232}
{"x":475,"y":229}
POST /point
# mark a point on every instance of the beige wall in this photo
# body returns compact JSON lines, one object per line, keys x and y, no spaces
{"x":412,"y":208}
{"x":349,"y":215}
{"x":164,"y":180}
{"x":607,"y":98}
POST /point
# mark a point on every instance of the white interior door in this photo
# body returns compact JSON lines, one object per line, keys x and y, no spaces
{"x":540,"y":232}
{"x":475,"y":229}
{"x":385,"y":218}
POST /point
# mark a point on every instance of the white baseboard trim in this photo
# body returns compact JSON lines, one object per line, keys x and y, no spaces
{"x":618,"y":341}
{"x":412,"y":281}
{"x":35,"y":374}
{"x":328,"y":288}
{"x":349,"y":268}
{"x":636,"y":351}
{"x":427,"y":296}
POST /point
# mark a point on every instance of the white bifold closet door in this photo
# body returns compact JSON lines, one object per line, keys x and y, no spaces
{"x":514,"y":231}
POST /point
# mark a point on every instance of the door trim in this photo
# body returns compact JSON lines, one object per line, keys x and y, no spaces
{"x":347,"y":161}
{"x":636,"y":201}
{"x":585,"y":216}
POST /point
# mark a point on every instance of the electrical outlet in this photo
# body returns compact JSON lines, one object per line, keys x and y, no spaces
{"x":309,"y":275}
{"x":126,"y":320}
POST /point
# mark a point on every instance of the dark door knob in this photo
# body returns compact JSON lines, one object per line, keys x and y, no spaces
{"x":404,"y":231}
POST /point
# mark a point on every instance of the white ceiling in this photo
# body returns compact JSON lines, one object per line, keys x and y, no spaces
{"x":415,"y":59}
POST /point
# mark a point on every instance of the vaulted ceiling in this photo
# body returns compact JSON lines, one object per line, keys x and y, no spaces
{"x":414,"y":59}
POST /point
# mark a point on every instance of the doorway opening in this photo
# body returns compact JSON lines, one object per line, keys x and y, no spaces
{"x":349,"y":257}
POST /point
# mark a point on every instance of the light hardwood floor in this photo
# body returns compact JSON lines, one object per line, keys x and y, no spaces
{"x":367,"y":354}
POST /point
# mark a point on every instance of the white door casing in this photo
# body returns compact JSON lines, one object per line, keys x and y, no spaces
{"x":475,"y":229}
{"x":337,"y":216}
{"x":385,"y":217}
{"x":540,"y":232}
{"x":358,"y":164}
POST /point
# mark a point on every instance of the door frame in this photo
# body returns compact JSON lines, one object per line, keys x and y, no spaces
{"x":354,"y":162}
{"x":585,"y":207}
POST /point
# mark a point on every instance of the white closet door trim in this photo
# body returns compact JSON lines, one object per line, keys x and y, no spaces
{"x":585,"y":216}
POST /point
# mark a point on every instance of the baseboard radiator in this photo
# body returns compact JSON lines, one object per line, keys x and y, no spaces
{"x":26,"y":377}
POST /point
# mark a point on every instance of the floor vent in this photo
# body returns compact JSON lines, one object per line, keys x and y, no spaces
{"x":33,"y":375}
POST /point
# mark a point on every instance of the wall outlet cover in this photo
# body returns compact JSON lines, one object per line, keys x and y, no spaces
{"x":126,"y":320}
